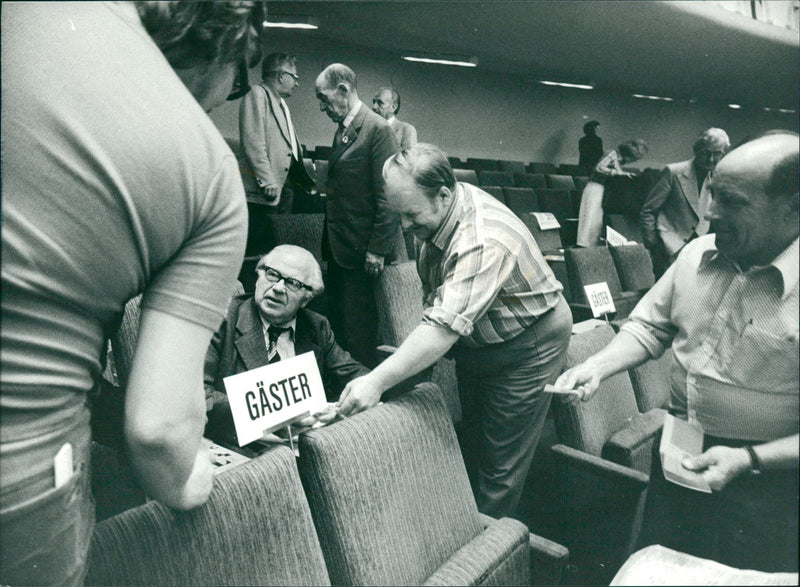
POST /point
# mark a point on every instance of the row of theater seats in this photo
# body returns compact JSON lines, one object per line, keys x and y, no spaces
{"x":521,"y":180}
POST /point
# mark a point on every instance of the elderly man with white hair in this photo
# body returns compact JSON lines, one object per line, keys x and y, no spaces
{"x":672,"y":215}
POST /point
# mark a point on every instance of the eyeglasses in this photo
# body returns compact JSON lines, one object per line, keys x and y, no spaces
{"x":273,"y":276}
{"x":295,"y":77}
{"x":241,"y":85}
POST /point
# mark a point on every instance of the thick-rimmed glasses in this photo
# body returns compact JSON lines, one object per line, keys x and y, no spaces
{"x":294,"y":76}
{"x":273,"y":276}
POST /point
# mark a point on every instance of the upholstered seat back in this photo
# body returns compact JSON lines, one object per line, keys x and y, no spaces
{"x":390,"y":496}
{"x":256,"y":529}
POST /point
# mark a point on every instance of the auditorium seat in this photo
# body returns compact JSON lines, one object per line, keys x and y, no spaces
{"x":571,"y":169}
{"x":626,"y":226}
{"x":321,"y":175}
{"x":588,"y":265}
{"x":534,"y":181}
{"x":256,"y":529}
{"x":543,"y":168}
{"x":392,"y":504}
{"x":604,"y":453}
{"x":494,"y":190}
{"x":557,"y":202}
{"x":456,"y":162}
{"x":466,"y":175}
{"x":575,"y":201}
{"x":479,"y":164}
{"x":651,"y":382}
{"x":499,"y":178}
{"x":549,"y":240}
{"x":520,"y":200}
{"x":580,"y":181}
{"x":559,"y":182}
{"x":634,"y":267}
{"x":512,"y":166}
{"x":322,"y":152}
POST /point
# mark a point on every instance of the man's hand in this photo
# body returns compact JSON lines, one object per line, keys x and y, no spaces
{"x":582,"y":378}
{"x":361,"y":393}
{"x":199,"y":484}
{"x":719,"y":465}
{"x":373,"y":264}
{"x":271,"y":192}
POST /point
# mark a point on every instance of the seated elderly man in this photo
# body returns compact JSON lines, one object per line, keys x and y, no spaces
{"x":728,"y":307}
{"x":271,"y":325}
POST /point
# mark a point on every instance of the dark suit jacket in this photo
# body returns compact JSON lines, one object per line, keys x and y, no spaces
{"x":357,"y":216}
{"x":672,"y":212}
{"x":239,"y":346}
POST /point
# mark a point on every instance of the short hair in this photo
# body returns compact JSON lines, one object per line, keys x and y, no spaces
{"x":316,"y":283}
{"x":427,"y":165}
{"x":395,"y":96}
{"x":590,"y":126}
{"x":635,"y":148}
{"x":337,"y":73}
{"x":713,"y":139}
{"x":275,"y":62}
{"x":205,"y":33}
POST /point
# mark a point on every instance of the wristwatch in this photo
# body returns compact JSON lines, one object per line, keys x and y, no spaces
{"x":755,"y":462}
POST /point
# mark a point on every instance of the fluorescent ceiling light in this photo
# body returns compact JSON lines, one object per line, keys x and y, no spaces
{"x":458,"y":60}
{"x":786,"y":111}
{"x":735,"y":106}
{"x":277,"y":21}
{"x":566,"y":85}
{"x":647,"y":97}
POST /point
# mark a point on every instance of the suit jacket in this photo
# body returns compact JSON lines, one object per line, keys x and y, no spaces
{"x":357,"y":217}
{"x":266,"y":143}
{"x":672,"y":211}
{"x":239,"y":346}
{"x":406,"y":134}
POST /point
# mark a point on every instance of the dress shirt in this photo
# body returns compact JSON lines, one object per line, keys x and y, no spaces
{"x":351,"y":115}
{"x":607,"y":166}
{"x":482,"y":273}
{"x":292,"y":136}
{"x":285,"y":340}
{"x":734,"y":335}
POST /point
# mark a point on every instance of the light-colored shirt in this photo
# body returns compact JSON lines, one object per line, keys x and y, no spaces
{"x":482,"y":273}
{"x":285,"y":339}
{"x":734,"y":337}
{"x":351,"y":115}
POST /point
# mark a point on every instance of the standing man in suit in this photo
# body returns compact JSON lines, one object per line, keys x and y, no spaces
{"x":673,"y":213}
{"x":271,"y":325}
{"x":386,"y":103}
{"x":361,"y":233}
{"x":269,"y":142}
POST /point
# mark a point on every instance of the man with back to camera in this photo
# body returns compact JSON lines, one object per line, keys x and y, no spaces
{"x":728,"y":306}
{"x":386,"y":103}
{"x":108,"y":194}
{"x":672,"y":213}
{"x":270,"y":325}
{"x":489,"y":296}
{"x":361,"y":233}
{"x":269,"y":141}
{"x":590,"y":147}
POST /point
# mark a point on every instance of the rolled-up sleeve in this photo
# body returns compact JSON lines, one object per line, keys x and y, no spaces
{"x":471,"y":281}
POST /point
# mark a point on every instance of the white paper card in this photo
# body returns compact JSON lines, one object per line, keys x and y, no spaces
{"x":62,"y":465}
{"x":269,"y":397}
{"x":615,"y":239}
{"x":546,"y":220}
{"x":681,"y":439}
{"x":600,"y":299}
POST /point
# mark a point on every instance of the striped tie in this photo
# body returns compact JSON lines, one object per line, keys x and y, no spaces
{"x":274,"y":332}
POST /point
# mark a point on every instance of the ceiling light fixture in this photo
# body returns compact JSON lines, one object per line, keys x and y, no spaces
{"x":735,"y":106}
{"x":442,"y":59}
{"x":786,"y":111}
{"x":567,"y":85}
{"x":648,"y":97}
{"x":281,"y":21}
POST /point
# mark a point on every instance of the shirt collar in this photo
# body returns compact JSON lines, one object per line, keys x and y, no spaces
{"x":290,"y":325}
{"x":351,"y":115}
{"x":450,"y":222}
{"x":786,"y":262}
{"x":391,"y":120}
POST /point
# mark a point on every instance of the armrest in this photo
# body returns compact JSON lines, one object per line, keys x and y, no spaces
{"x":639,"y":430}
{"x":548,"y":558}
{"x":600,"y":467}
{"x":498,"y":555}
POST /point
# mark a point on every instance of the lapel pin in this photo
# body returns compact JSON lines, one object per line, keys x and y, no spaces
{"x":345,"y":139}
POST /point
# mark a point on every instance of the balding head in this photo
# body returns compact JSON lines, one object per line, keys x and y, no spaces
{"x":755,"y":202}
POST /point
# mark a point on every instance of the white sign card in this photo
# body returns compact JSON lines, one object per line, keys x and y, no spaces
{"x":600,"y":299}
{"x":546,"y":220}
{"x":269,"y":397}
{"x":615,"y":239}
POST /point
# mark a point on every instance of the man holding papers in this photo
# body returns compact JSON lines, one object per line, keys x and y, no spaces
{"x":728,"y":307}
{"x":271,"y":325}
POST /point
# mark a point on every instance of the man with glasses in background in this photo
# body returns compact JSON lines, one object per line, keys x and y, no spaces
{"x":673,"y":213}
{"x":271,"y":325}
{"x":274,"y":171}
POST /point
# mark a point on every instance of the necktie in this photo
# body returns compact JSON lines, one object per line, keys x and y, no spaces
{"x":274,"y":332}
{"x":702,"y":208}
{"x":337,"y":138}
{"x":291,"y":129}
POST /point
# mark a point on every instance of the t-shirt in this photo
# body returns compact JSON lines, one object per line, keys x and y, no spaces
{"x":115,"y":181}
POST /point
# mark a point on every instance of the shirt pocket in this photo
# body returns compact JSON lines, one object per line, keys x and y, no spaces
{"x":761,"y":359}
